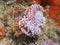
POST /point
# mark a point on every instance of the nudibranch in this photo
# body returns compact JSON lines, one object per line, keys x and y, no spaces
{"x":33,"y":20}
{"x":2,"y":32}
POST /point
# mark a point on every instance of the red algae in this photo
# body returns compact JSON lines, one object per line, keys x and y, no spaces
{"x":54,"y":11}
{"x":36,"y":1}
{"x":2,"y":31}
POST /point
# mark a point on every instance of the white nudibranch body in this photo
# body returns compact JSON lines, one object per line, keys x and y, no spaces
{"x":33,"y":20}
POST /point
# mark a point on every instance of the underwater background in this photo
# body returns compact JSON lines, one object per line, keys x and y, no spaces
{"x":12,"y":11}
